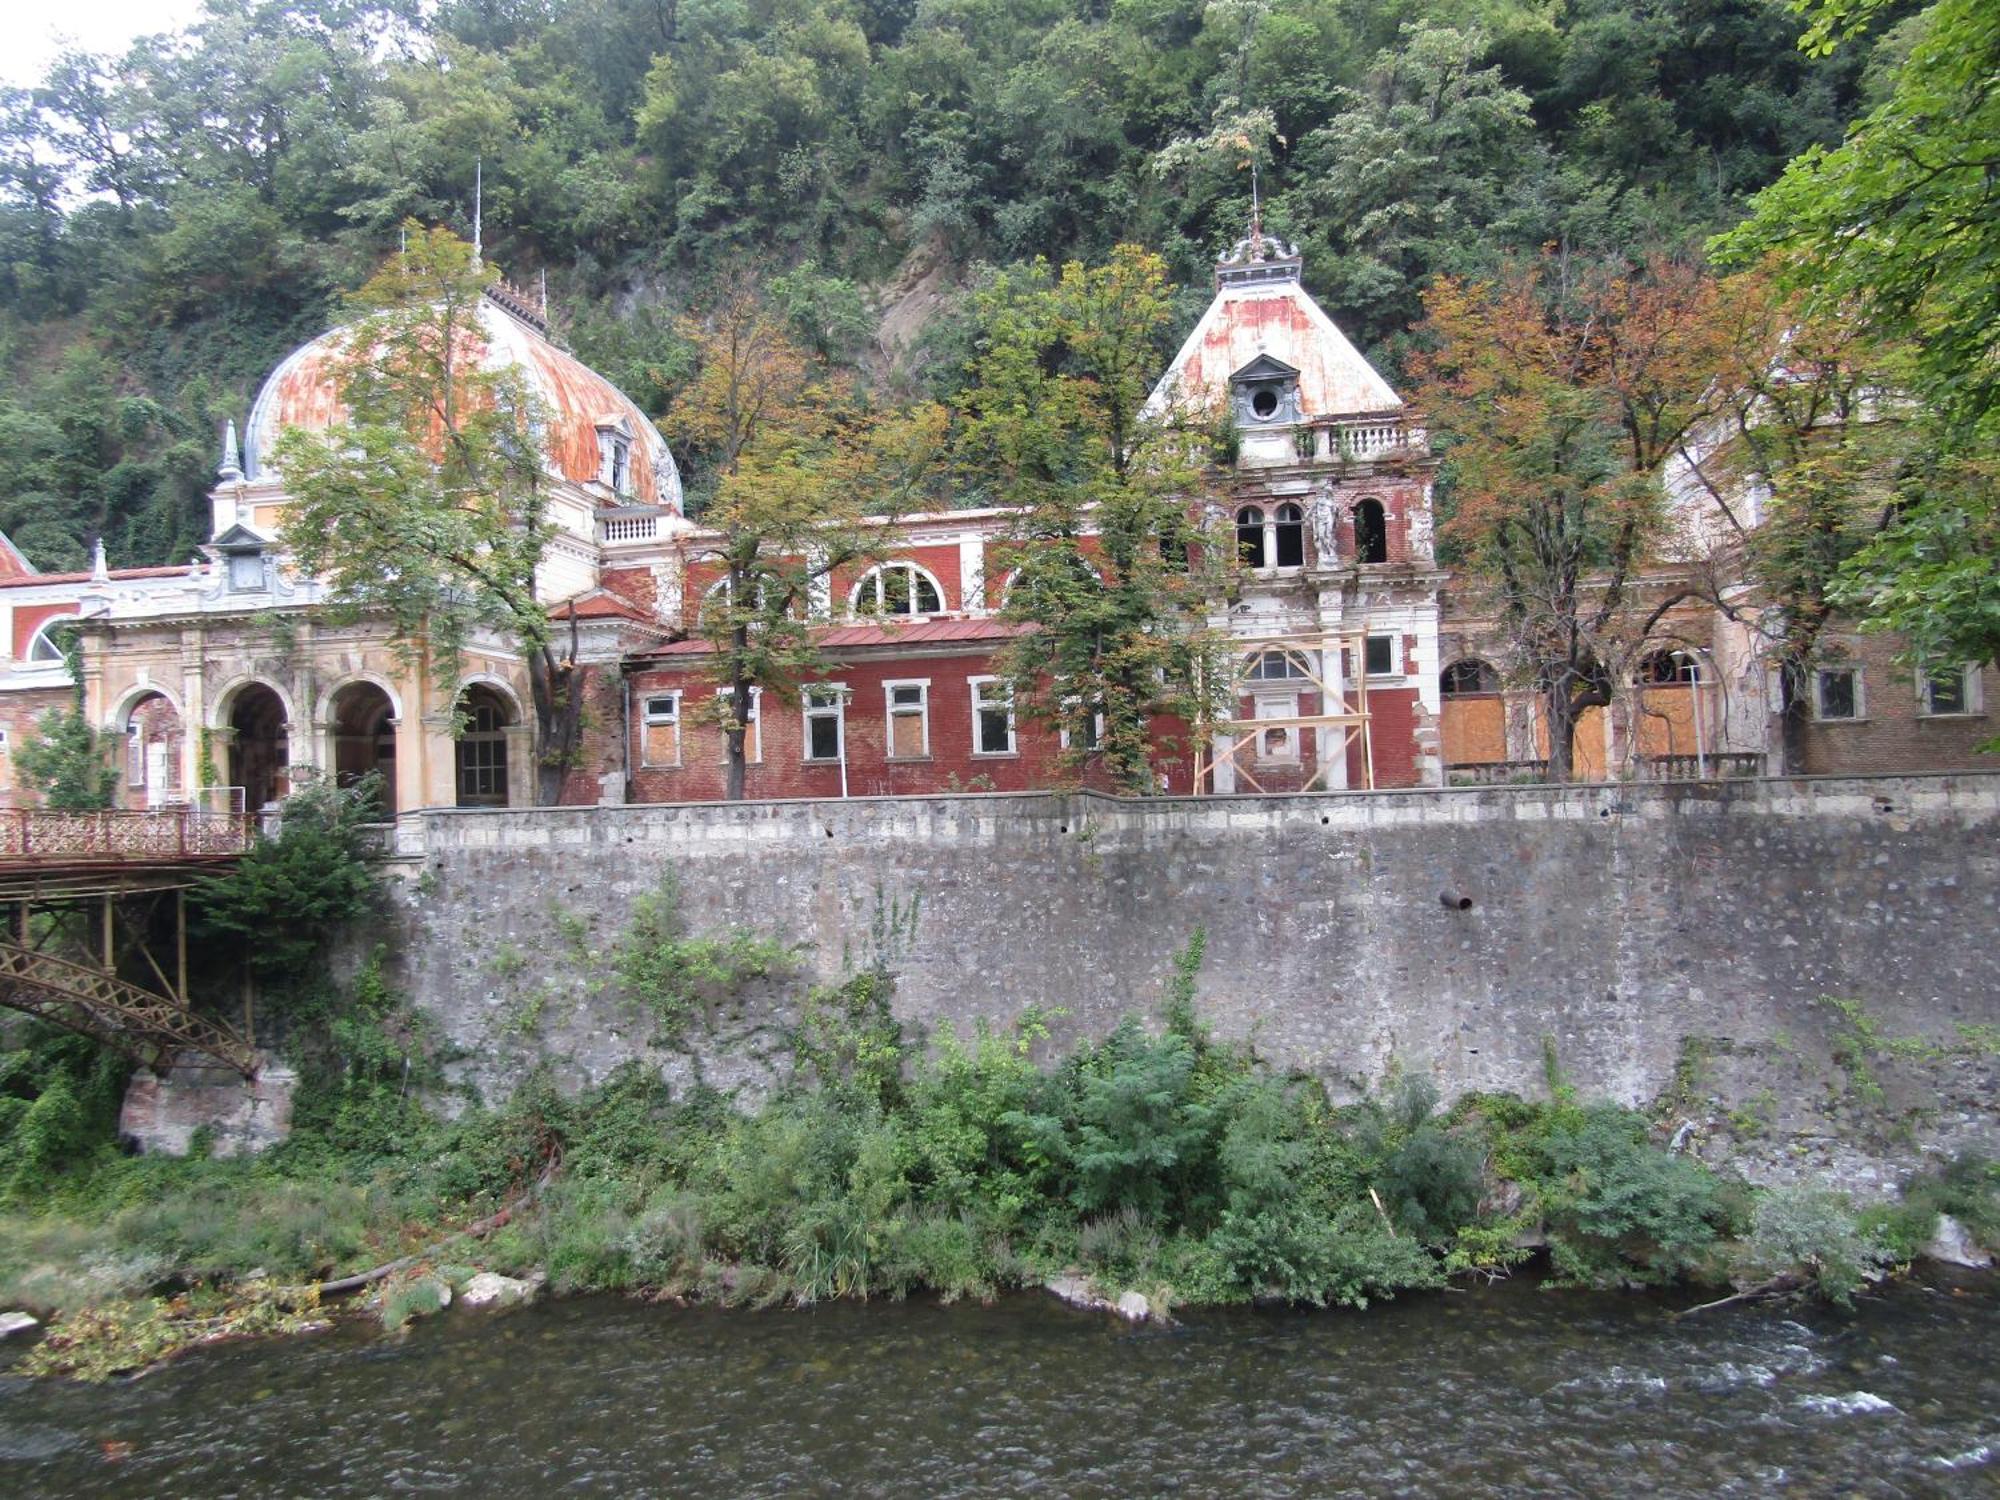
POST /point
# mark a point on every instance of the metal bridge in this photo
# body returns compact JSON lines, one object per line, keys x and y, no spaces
{"x":67,"y":876}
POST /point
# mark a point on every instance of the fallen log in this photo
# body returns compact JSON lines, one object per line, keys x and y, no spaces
{"x":473,"y":1231}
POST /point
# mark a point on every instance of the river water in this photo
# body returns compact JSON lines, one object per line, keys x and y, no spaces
{"x":1508,"y":1390}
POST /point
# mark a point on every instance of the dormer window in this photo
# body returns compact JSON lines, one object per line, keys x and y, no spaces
{"x":243,"y":560}
{"x":614,"y":457}
{"x":246,"y":572}
{"x":1266,"y":393}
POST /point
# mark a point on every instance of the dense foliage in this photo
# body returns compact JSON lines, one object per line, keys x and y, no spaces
{"x":172,"y":220}
{"x":1154,"y":1159}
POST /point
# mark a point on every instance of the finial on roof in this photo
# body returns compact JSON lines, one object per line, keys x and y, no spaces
{"x":1256,"y":214}
{"x":100,"y":571}
{"x":543,"y":279}
{"x":232,"y":453}
{"x":478,"y":207}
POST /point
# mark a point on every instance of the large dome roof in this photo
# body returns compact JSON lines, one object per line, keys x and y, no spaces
{"x":303,"y":392}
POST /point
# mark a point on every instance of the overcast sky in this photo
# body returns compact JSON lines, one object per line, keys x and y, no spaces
{"x":31,"y":31}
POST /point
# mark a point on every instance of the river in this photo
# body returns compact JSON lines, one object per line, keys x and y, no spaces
{"x":1508,"y":1390}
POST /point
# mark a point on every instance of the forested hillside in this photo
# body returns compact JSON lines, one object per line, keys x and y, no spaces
{"x":173,"y":220}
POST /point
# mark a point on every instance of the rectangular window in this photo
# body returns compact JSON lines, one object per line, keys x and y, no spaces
{"x":825,"y":722}
{"x":1094,"y":731}
{"x":660,"y":730}
{"x":753,"y":731}
{"x":1280,"y":744}
{"x":246,"y":571}
{"x":135,"y":757}
{"x":992,"y":717}
{"x":1381,"y":657}
{"x":1838,"y":693}
{"x":1947,"y":690}
{"x":909,"y":719}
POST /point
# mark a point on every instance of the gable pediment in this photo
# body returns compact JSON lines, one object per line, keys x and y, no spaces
{"x":1264,"y":367}
{"x":240,"y":538}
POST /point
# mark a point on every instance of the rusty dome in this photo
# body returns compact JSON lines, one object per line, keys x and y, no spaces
{"x":581,"y":405}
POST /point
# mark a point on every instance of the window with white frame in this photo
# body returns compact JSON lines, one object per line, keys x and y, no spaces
{"x":1276,"y":664}
{"x":897,"y":588}
{"x":753,"y":729}
{"x":909,"y":706}
{"x":614,"y":458}
{"x":992,"y":716}
{"x":1950,"y":691}
{"x":660,"y":730}
{"x":47,"y":645}
{"x":825,"y":721}
{"x":1093,"y":727}
{"x":135,"y":755}
{"x":1837,"y":693}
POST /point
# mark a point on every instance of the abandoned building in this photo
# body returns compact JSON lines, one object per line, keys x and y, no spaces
{"x":1357,"y":665}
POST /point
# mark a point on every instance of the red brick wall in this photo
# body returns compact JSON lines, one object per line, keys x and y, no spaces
{"x":783,"y":770}
{"x":1893,"y":734}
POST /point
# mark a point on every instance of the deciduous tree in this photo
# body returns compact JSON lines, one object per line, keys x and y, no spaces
{"x":1561,"y":390}
{"x":802,"y":470}
{"x":429,"y":504}
{"x":1108,"y":492}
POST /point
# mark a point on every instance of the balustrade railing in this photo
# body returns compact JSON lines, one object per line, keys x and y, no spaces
{"x":32,"y":833}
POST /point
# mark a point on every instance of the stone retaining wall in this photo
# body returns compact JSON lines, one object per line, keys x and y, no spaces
{"x":1657,"y":938}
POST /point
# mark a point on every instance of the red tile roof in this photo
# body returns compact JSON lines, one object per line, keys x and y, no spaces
{"x":116,"y":573}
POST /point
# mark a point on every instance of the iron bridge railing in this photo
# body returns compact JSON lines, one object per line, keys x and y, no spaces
{"x":32,"y":834}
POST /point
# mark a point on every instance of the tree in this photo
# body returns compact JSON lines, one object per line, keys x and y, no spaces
{"x":1901,"y":222}
{"x":802,"y":468}
{"x":428,"y":504}
{"x":1798,"y":458}
{"x":1056,"y":424}
{"x":1561,"y":391}
{"x":67,"y":763}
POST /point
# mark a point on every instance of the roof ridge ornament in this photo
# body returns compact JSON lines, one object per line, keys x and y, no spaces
{"x":1259,"y":258}
{"x":232,"y":453}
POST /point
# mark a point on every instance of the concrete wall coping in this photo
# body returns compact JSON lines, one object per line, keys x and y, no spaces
{"x":1970,"y":795}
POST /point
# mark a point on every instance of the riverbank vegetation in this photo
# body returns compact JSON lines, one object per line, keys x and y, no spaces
{"x":1157,"y":1158}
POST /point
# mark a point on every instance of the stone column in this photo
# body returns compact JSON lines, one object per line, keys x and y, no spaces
{"x":520,"y":765}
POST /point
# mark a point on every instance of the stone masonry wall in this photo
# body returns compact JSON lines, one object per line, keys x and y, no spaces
{"x":1671,"y":943}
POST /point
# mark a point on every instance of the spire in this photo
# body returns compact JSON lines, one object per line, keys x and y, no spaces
{"x":478,"y":206}
{"x":1256,"y":214}
{"x":232,"y":453}
{"x":100,"y":571}
{"x":544,"y":281}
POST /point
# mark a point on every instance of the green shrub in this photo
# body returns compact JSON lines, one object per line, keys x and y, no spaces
{"x":1813,"y":1234}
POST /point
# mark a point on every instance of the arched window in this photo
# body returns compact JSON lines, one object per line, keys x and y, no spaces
{"x":1052,"y":571}
{"x":1464,"y":678}
{"x":1275,"y":664}
{"x":1250,"y":537}
{"x":1290,"y":526}
{"x":481,"y":753}
{"x":47,"y":646}
{"x":1371,"y":532}
{"x":897,"y":588}
{"x":1667,"y":669}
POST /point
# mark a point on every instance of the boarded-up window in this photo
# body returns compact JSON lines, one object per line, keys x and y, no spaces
{"x":909,"y":720}
{"x":660,"y":731}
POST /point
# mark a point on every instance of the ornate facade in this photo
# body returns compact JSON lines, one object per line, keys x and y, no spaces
{"x":1357,"y":667}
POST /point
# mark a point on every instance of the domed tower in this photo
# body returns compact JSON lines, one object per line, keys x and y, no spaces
{"x":612,"y":472}
{"x":265,"y":684}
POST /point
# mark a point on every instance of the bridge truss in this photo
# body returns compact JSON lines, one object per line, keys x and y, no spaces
{"x":94,"y":883}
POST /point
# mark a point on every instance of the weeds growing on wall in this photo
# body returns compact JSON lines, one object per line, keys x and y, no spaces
{"x":1157,"y":1159}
